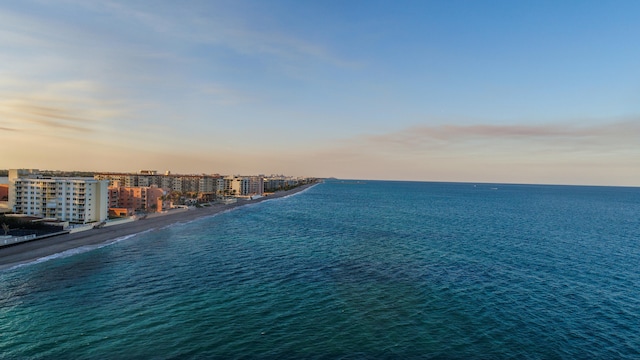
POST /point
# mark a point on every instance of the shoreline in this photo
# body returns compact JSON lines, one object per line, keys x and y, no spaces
{"x":28,"y":252}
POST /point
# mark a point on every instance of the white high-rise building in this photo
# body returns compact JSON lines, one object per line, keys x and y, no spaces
{"x":77,"y":200}
{"x":244,"y":185}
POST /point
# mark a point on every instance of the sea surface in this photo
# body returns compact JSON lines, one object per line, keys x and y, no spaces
{"x":350,"y":270}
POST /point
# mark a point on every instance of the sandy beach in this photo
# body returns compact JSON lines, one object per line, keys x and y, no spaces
{"x":31,"y":251}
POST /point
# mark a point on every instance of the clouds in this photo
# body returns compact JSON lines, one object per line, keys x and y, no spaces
{"x":562,"y":153}
{"x":232,"y":27}
{"x":73,"y":107}
{"x":194,"y":58}
{"x":51,"y":118}
{"x":623,"y":134}
{"x":283,"y":47}
{"x":225,"y":95}
{"x":324,"y":89}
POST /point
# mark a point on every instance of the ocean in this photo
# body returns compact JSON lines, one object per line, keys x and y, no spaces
{"x":350,"y":270}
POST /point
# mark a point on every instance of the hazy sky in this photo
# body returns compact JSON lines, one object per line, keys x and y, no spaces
{"x":487,"y":91}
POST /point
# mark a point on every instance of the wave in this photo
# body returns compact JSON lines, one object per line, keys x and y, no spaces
{"x":291,"y":195}
{"x":87,"y":248}
{"x":75,"y":251}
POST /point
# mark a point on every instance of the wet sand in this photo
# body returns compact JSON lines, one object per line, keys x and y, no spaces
{"x":33,"y":250}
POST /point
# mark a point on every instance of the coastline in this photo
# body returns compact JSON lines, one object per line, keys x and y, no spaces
{"x":32,"y":251}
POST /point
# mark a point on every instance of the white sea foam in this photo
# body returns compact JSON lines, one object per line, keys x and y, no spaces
{"x":235,"y":208}
{"x":84,"y":249}
{"x":122,"y":238}
{"x":294,"y":194}
{"x":76,"y":251}
{"x":59,"y":255}
{"x":186,"y":222}
{"x":174,"y":224}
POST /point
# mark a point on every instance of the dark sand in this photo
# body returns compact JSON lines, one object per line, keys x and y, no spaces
{"x":26,"y":252}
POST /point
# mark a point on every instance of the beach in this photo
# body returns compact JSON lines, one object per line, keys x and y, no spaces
{"x":27,"y":252}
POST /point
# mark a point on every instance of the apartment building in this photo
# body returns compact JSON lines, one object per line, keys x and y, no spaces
{"x":207,"y":184}
{"x":136,"y":198}
{"x":4,"y":198}
{"x":168,"y":181}
{"x":256,"y":185}
{"x":243,"y":185}
{"x":279,"y":182}
{"x":220,"y":186}
{"x":4,"y":192}
{"x":76,"y":200}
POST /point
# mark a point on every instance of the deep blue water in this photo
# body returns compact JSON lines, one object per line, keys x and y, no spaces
{"x":351,"y":270}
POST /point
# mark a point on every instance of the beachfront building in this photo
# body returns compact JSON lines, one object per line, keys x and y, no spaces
{"x":76,"y":200}
{"x":256,"y":185}
{"x":119,"y":179}
{"x":230,"y":186}
{"x":243,"y":185}
{"x":135,"y":198}
{"x":114,"y":196}
{"x":220,"y":186}
{"x":4,"y":192}
{"x":203,"y":184}
{"x":281,"y":182}
{"x":207,"y":185}
{"x":4,"y":198}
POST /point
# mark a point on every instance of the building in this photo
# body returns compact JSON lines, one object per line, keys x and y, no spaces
{"x":4,"y":198}
{"x":207,"y":184}
{"x":243,"y":185}
{"x":170,"y":182}
{"x":135,"y":198}
{"x":279,"y":182}
{"x":256,"y":185}
{"x":220,"y":186}
{"x":76,"y":200}
{"x":4,"y":192}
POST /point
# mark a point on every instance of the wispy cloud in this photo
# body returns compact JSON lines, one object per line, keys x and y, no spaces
{"x":618,"y":134}
{"x":56,"y":108}
{"x":46,"y":117}
{"x":225,"y":95}
{"x":283,"y":46}
{"x":553,"y":153}
{"x":49,"y":112}
{"x":213,"y":24}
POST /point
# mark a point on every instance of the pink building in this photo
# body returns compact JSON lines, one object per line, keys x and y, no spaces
{"x":4,"y":192}
{"x":136,"y":198}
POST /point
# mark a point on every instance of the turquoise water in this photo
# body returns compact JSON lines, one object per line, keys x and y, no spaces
{"x":351,"y":270}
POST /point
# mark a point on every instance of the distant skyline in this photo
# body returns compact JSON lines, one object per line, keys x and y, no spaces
{"x":469,"y":91}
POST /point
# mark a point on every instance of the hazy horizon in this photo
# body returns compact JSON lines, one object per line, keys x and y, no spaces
{"x":532,"y":92}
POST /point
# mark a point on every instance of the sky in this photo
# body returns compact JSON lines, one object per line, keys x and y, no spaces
{"x":472,"y":91}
